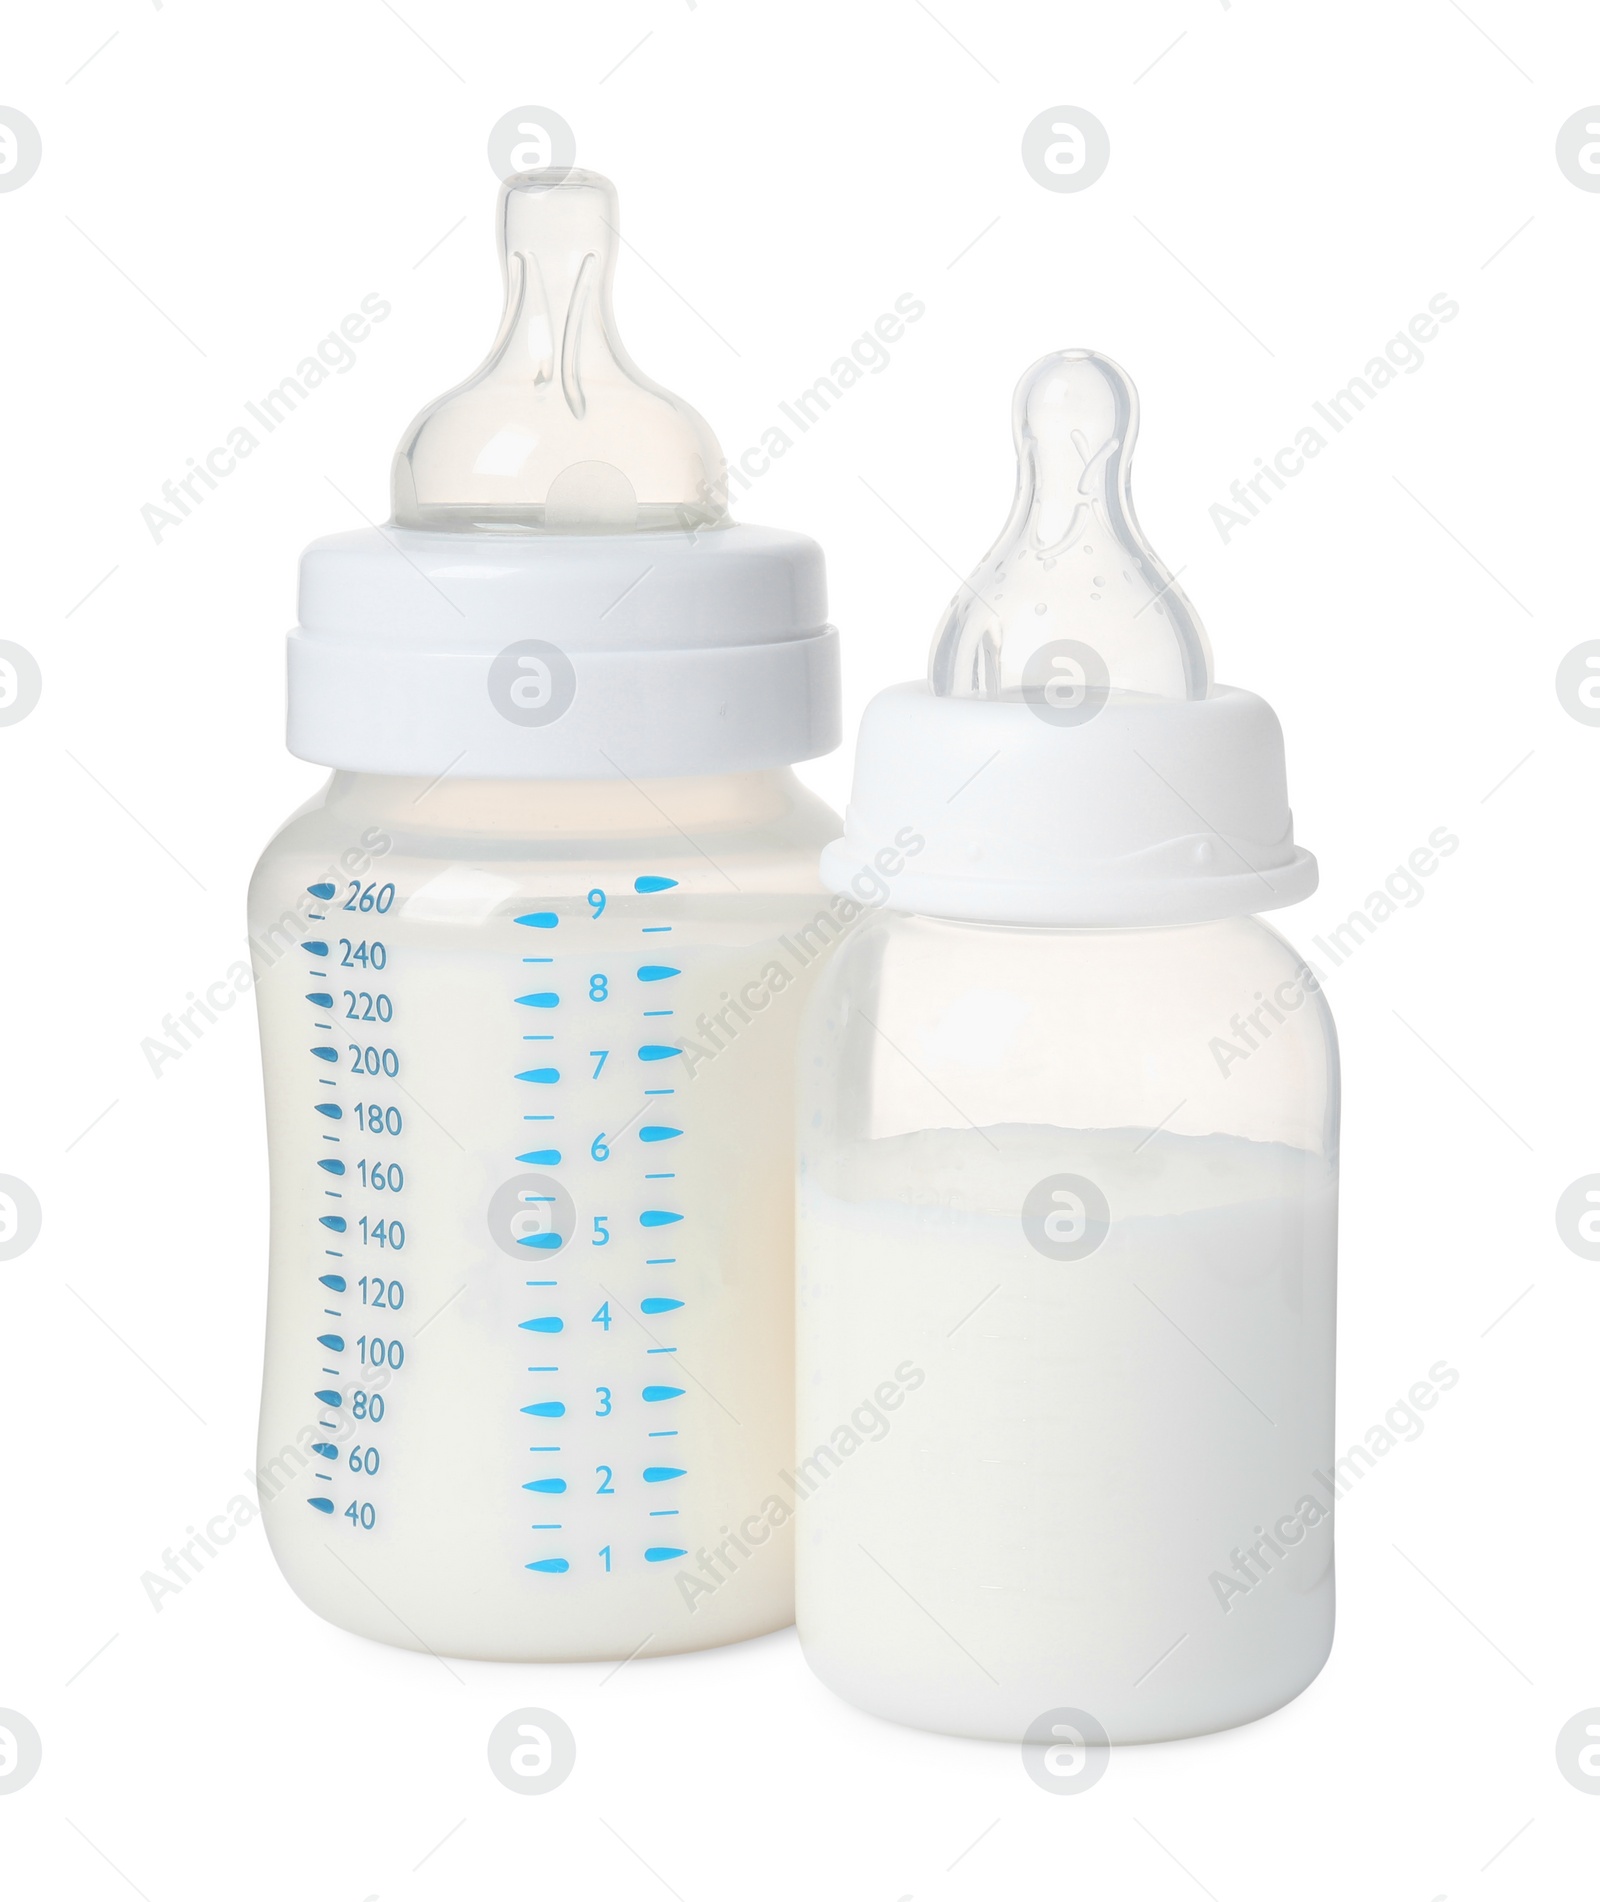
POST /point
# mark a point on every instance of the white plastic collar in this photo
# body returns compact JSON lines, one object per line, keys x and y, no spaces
{"x":1148,"y":813}
{"x":514,"y":656}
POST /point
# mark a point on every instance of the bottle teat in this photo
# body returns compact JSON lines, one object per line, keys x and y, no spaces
{"x":558,"y":431}
{"x":1071,"y":565}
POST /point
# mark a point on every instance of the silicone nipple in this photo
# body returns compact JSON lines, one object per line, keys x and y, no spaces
{"x":558,"y":430}
{"x":1072,"y":582}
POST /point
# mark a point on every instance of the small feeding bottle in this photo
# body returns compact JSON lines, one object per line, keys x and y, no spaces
{"x":1068,"y":1163}
{"x":527,"y":1022}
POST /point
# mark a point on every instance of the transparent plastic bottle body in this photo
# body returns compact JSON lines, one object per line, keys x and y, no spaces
{"x":1062,"y":1458}
{"x":528,"y":1051}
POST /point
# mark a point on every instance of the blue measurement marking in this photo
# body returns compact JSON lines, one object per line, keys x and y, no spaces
{"x":655,"y":1554}
{"x":649,"y":1218}
{"x":658,"y":1052}
{"x":336,"y":1282}
{"x":662,"y":1393}
{"x":649,"y":973}
{"x":333,"y":1313}
{"x":657,"y":1175}
{"x":662,"y":1093}
{"x":324,"y":1452}
{"x":658,"y":1304}
{"x":329,"y":1398}
{"x":316,"y":946}
{"x":658,"y":1133}
{"x":321,"y":891}
{"x":329,"y":1109}
{"x":322,"y":999}
{"x":654,"y":1475}
{"x":663,"y":1433}
{"x":336,"y":1222}
{"x":653,"y":882}
{"x":655,"y":927}
{"x":656,"y":1013}
{"x":322,"y":1505}
{"x":325,"y":1054}
{"x":334,"y":1344}
{"x":542,"y":1158}
{"x":662,"y":1261}
{"x":332,"y":1164}
{"x":661,"y":1350}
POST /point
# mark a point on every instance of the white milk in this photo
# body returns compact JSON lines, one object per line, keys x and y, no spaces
{"x":484,"y":1486}
{"x":1042,"y":1520}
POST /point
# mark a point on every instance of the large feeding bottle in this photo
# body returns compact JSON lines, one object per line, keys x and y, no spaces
{"x":1067,"y":1197}
{"x":527,"y":1024}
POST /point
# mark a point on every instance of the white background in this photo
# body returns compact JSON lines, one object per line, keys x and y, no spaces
{"x":1288,"y":186}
